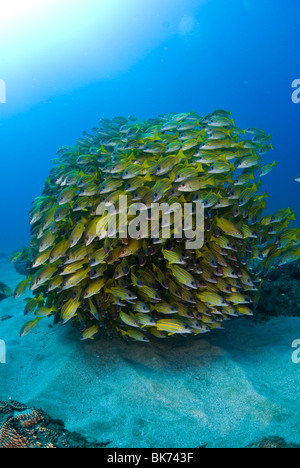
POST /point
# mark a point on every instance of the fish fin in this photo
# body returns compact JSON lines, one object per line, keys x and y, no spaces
{"x":147,"y":178}
{"x":172,"y":177}
{"x":181,"y":155}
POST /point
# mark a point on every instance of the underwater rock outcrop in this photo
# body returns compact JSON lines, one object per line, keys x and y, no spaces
{"x":25,"y":427}
{"x":97,"y":263}
{"x":280,"y":293}
{"x":21,"y":262}
{"x":21,"y":267}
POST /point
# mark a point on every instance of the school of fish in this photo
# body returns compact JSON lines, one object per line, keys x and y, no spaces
{"x":81,"y":268}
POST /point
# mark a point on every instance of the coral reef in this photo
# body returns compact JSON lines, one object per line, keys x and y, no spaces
{"x":273,"y":443}
{"x":25,"y":427}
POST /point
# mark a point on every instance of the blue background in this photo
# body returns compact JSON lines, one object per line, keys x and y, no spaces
{"x":68,"y":63}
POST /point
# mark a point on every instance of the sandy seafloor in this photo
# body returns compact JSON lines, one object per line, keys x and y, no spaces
{"x":226,"y":389}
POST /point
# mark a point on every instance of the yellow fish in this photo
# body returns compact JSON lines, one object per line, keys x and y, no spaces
{"x":89,"y":333}
{"x":129,"y":320}
{"x":69,"y":309}
{"x":43,"y":276}
{"x":213,"y":299}
{"x":59,"y":251}
{"x":132,"y":248}
{"x":77,"y":233}
{"x":47,"y":241}
{"x":135,"y":335}
{"x":21,"y":288}
{"x":29,"y":326}
{"x":76,"y":278}
{"x":45,"y":311}
{"x":41,"y":259}
{"x":94,"y":288}
{"x":173,"y":326}
{"x":229,"y":228}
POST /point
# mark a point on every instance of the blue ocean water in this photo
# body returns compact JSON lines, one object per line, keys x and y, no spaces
{"x":66,"y":64}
